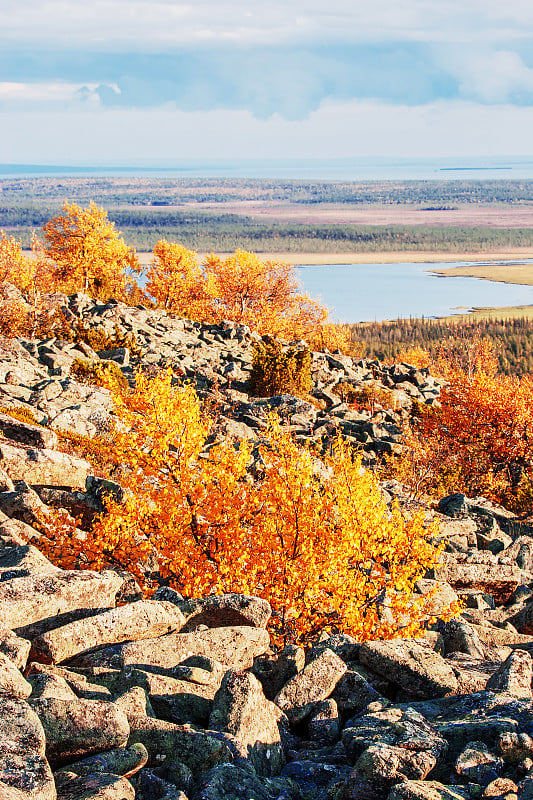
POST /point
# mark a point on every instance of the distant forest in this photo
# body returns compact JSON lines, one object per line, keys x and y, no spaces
{"x":512,"y":339}
{"x":146,"y":210}
{"x":162,"y":192}
{"x":202,"y":230}
{"x":205,"y":230}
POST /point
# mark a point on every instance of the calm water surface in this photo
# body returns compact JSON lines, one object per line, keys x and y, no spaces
{"x":368,"y":292}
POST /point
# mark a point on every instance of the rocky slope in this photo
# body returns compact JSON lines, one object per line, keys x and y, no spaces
{"x":106,"y":694}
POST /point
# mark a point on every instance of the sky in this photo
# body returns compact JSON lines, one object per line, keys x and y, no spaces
{"x":117,"y":81}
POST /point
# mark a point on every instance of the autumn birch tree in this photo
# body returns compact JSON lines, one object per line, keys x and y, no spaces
{"x":88,"y":252}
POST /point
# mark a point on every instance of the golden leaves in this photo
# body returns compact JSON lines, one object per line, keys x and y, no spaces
{"x":87,"y":252}
{"x":262,"y":294}
{"x":322,"y":548}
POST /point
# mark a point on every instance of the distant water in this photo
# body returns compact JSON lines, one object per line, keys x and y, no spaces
{"x":368,"y":292}
{"x":352,"y":169}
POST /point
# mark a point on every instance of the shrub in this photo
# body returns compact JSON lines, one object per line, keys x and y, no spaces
{"x":326,"y":552}
{"x":99,"y":373}
{"x":479,"y":440}
{"x":280,"y":370}
{"x":99,"y":339}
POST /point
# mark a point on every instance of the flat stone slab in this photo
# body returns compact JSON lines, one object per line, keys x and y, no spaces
{"x":414,"y":666}
{"x":32,"y":598}
{"x":234,"y":647}
{"x":43,"y":466}
{"x":498,"y":580}
{"x":144,"y":619}
{"x":24,"y":433}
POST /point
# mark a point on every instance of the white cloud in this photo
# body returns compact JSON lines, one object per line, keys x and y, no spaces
{"x":49,"y":94}
{"x":492,"y":77}
{"x":152,"y":24}
{"x":337,"y":130}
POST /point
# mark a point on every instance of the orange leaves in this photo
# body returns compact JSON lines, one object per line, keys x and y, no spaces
{"x":87,"y":251}
{"x":176,"y":281}
{"x":12,"y":259}
{"x":262,"y":294}
{"x":479,"y":441}
{"x":314,"y":539}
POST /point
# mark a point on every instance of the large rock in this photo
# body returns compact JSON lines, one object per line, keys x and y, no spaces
{"x":231,"y":782}
{"x":403,"y":730}
{"x":174,"y":700}
{"x":24,"y":560}
{"x":43,"y":466}
{"x":96,"y":787}
{"x":144,"y":619}
{"x":23,"y":766}
{"x":77,"y":728}
{"x":235,"y":647}
{"x":426,"y":790}
{"x":514,"y":676}
{"x":11,"y":681}
{"x":274,"y":670}
{"x":241,"y":709}
{"x":197,"y":749}
{"x":523,"y":619}
{"x":479,"y":571}
{"x":29,"y":599}
{"x":410,"y":664}
{"x":125,"y":761}
{"x":29,"y":435}
{"x":217,"y":611}
{"x":15,"y":648}
{"x":314,"y":683}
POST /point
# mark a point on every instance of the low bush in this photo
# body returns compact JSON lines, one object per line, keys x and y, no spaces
{"x":99,"y":373}
{"x":280,"y":370}
{"x":325,"y":551}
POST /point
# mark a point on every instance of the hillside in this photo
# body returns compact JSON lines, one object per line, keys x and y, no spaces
{"x":111,"y":692}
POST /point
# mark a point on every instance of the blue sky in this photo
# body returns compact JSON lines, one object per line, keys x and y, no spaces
{"x":166,"y":80}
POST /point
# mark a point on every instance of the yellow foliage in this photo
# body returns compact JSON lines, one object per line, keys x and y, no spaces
{"x":99,"y":373}
{"x":175,"y":279}
{"x":416,"y":356}
{"x":262,"y":294}
{"x":334,"y":336}
{"x":325,"y":552}
{"x":87,"y":252}
{"x":13,"y":262}
{"x":21,"y":413}
{"x":465,"y":356}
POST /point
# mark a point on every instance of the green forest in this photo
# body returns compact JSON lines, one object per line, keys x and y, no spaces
{"x":512,"y":339}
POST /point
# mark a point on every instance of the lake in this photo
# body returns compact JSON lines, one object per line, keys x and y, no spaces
{"x":368,"y":292}
{"x":339,"y":169}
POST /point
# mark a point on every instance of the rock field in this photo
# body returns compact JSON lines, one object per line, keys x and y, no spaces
{"x":107,"y":695}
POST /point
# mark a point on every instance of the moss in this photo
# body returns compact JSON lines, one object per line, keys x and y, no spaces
{"x":25,"y":415}
{"x":99,"y":373}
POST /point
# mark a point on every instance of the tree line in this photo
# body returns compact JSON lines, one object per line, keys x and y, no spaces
{"x":511,"y":339}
